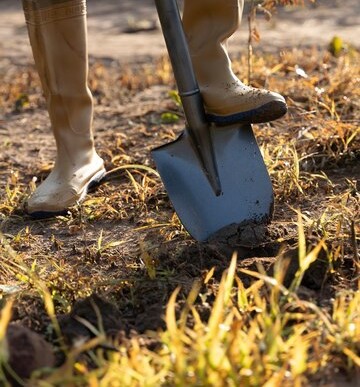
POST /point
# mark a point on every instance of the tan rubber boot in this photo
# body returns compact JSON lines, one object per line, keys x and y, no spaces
{"x":208,"y":24}
{"x":58,"y":36}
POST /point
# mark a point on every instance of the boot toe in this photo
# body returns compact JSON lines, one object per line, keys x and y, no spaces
{"x":269,"y":110}
{"x":49,"y":204}
{"x":55,"y":199}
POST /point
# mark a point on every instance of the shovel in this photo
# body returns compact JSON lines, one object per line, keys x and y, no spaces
{"x":215,"y":176}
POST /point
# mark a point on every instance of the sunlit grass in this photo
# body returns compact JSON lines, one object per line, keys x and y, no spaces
{"x":261,"y":335}
{"x":264,"y":331}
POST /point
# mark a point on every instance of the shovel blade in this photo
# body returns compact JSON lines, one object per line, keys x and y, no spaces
{"x":246,"y":189}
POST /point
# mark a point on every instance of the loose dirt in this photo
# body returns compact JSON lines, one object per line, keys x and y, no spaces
{"x":125,"y":35}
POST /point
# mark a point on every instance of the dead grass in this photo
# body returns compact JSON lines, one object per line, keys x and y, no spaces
{"x":253,"y":325}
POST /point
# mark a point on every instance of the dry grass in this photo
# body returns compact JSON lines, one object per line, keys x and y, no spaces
{"x":249,"y":326}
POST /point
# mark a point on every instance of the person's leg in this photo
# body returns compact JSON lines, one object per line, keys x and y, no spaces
{"x":58,"y":36}
{"x":208,"y":24}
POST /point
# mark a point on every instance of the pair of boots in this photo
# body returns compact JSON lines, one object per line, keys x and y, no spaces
{"x":57,"y":31}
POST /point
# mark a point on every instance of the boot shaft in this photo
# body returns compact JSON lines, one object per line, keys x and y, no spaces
{"x":58,"y":36}
{"x":207,"y":21}
{"x":39,"y":12}
{"x":207,"y":25}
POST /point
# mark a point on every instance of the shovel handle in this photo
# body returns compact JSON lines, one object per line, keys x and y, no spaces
{"x":176,"y":44}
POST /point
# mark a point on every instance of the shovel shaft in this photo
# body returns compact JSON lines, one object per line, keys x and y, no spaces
{"x":176,"y":43}
{"x":189,"y":91}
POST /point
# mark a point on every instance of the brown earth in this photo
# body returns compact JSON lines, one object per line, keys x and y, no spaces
{"x":109,"y":20}
{"x":127,"y":126}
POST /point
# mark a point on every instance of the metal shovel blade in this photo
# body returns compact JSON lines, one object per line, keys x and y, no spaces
{"x":246,"y":190}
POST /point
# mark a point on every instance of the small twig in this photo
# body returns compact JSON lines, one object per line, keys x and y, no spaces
{"x":251,"y":19}
{"x":354,"y":243}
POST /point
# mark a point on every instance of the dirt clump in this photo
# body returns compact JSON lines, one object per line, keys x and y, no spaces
{"x":27,"y":351}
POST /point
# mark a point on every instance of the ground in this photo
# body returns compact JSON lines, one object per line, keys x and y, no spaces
{"x":110,"y":20}
{"x":124,"y":248}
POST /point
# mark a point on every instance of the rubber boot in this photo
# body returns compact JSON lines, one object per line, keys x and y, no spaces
{"x":58,"y":36}
{"x":208,"y":24}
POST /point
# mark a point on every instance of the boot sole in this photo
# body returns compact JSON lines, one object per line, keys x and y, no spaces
{"x":94,"y":182}
{"x":266,"y":113}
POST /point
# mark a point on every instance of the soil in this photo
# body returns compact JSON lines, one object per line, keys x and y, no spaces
{"x":28,"y":351}
{"x":128,"y":299}
{"x":128,"y":30}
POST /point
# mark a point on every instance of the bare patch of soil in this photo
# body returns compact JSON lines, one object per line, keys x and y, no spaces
{"x":115,"y":261}
{"x":128,"y":30}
